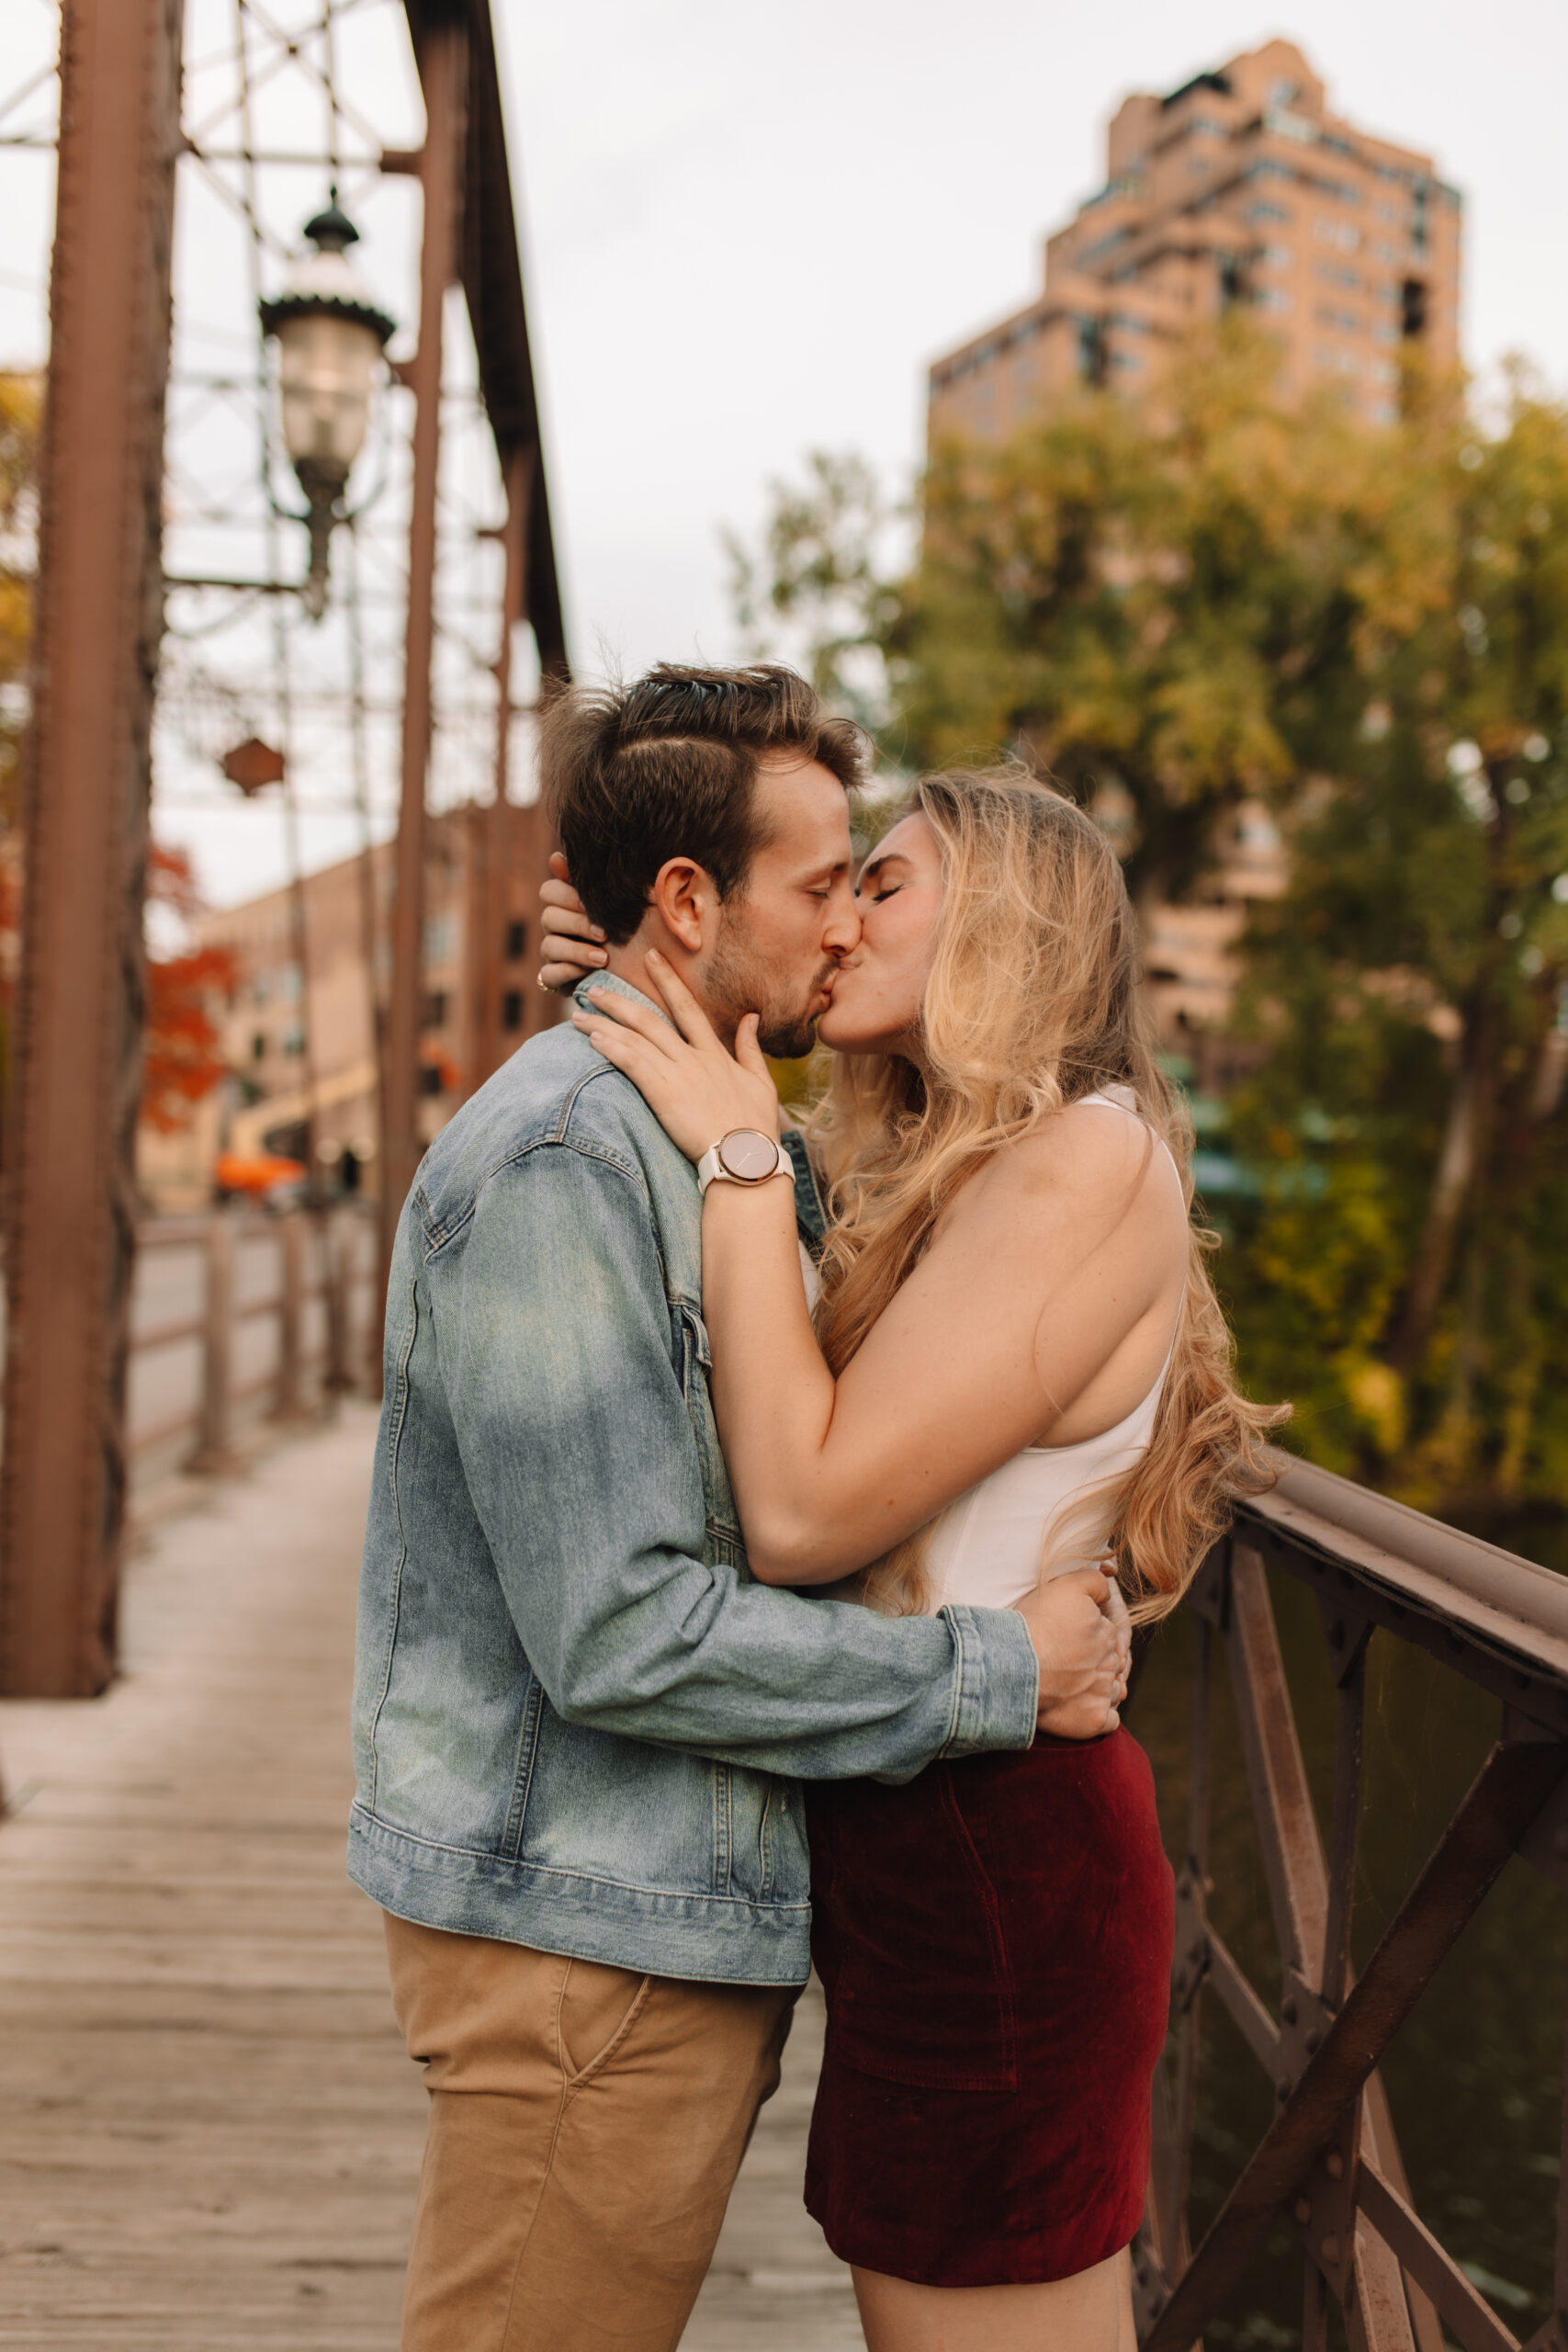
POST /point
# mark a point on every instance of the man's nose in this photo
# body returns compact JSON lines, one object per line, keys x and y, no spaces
{"x":841,"y":933}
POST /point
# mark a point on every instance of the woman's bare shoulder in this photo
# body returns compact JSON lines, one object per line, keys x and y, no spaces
{"x":1091,"y":1164}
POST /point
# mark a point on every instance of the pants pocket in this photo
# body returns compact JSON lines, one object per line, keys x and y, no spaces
{"x":595,"y":2010}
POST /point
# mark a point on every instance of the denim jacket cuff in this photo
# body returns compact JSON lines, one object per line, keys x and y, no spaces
{"x":996,"y":1689}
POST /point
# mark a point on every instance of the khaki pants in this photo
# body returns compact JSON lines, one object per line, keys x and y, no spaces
{"x":586,"y":2125}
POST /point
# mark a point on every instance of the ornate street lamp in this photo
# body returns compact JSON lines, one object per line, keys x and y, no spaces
{"x":330,"y":339}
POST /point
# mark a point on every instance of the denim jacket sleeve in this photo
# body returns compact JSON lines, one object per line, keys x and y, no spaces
{"x":553,"y":1335}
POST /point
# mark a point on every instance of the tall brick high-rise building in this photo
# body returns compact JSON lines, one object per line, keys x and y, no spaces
{"x":1239,"y":187}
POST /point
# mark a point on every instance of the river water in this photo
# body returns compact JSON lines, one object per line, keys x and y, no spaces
{"x":1474,"y":2078}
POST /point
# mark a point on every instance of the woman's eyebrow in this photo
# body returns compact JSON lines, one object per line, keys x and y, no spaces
{"x":874,"y":866}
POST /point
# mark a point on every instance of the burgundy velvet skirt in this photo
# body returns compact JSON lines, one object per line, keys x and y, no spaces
{"x":995,"y":1941}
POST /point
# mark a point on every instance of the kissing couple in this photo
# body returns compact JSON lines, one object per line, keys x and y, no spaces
{"x":750,"y":1528}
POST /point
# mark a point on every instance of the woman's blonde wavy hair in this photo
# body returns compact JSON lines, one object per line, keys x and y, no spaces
{"x":1032,"y":1002}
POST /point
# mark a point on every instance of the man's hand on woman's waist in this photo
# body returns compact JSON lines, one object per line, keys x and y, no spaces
{"x":1079,"y":1627}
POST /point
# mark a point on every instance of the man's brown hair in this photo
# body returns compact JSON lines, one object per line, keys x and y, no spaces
{"x":667,"y":767}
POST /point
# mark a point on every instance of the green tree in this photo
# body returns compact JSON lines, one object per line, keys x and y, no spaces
{"x":1205,"y":600}
{"x":1154,"y":600}
{"x":1412,"y":1250}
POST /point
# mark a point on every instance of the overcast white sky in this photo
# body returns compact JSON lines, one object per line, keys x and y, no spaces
{"x":749,"y":228}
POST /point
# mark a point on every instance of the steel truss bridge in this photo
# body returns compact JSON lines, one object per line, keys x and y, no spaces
{"x":189,"y":142}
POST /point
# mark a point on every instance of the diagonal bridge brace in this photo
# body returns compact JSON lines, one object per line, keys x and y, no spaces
{"x":1508,"y":1791}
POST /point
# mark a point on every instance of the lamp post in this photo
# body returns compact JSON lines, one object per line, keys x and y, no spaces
{"x":329,"y":336}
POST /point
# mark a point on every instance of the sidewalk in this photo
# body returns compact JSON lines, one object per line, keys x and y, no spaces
{"x":213,"y":2134}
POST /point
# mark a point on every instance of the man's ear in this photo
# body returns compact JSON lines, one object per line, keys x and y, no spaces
{"x":686,"y":903}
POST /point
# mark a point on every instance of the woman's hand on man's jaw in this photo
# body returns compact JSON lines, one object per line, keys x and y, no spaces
{"x":698,"y":1089}
{"x":1079,"y":1627}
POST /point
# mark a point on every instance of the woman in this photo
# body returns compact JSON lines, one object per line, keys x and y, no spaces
{"x":1018,"y":1359}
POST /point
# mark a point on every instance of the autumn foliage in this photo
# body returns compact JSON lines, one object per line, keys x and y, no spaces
{"x":183,"y":1062}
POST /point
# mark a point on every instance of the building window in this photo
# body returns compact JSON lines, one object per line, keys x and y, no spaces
{"x":294,"y":1041}
{"x":258,"y":1047}
{"x":1413,"y":307}
{"x":1091,"y":350}
{"x":1266,"y":212}
{"x":440,"y":939}
{"x":430,"y":1078}
{"x":512,"y":1010}
{"x":516,"y":942}
{"x":435,"y":1015}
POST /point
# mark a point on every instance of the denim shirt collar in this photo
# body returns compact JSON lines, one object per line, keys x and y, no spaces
{"x":618,"y":987}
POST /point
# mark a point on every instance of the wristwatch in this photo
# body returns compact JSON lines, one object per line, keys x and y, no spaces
{"x":745,"y":1156}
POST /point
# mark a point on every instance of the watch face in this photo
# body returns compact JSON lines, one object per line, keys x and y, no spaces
{"x":745,"y":1153}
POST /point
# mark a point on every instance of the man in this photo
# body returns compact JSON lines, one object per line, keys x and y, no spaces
{"x":578,"y":1720}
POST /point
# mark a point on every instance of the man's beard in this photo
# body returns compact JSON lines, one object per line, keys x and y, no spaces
{"x":739,"y":981}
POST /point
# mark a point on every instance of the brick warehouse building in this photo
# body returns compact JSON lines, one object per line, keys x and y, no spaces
{"x":1238,"y":187}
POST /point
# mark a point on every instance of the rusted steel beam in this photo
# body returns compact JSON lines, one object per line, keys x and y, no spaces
{"x":1497,"y":1619}
{"x":1352,"y":1682}
{"x":1310,"y":1904}
{"x":1242,"y":2006}
{"x":491,"y":272}
{"x":1512,"y":1786}
{"x":1376,"y":2312}
{"x":1162,"y":2246}
{"x":1176,"y":2235}
{"x":1417,"y":1552}
{"x":444,"y":75}
{"x":71,"y":1182}
{"x":1466,"y":2312}
{"x":492,"y":848}
{"x":1293,"y":1854}
{"x":1380,"y":2146}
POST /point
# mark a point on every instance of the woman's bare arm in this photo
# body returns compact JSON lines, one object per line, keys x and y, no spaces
{"x":1040,"y":1313}
{"x":1042,"y":1310}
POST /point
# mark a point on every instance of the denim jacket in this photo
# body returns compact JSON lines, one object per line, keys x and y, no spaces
{"x":577,"y":1718}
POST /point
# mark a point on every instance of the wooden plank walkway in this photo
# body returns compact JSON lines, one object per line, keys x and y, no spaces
{"x":211,"y":2134}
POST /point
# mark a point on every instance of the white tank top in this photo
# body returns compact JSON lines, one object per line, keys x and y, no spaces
{"x":988,"y":1547}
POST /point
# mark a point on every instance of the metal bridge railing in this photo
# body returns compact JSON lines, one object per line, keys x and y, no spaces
{"x":239,"y":1317}
{"x":1329,"y":2161}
